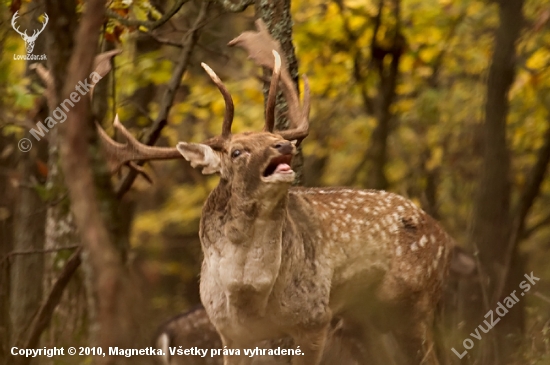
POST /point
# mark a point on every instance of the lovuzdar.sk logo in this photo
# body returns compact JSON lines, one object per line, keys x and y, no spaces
{"x":29,"y":39}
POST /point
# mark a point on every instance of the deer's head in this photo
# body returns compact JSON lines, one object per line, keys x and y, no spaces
{"x":253,"y":162}
{"x":29,"y":39}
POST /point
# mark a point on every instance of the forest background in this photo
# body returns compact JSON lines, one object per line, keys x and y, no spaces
{"x":444,"y":102}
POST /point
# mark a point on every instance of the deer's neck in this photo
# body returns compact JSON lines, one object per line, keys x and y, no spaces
{"x":249,"y":247}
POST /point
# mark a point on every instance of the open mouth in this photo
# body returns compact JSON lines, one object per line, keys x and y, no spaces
{"x":279,"y":165}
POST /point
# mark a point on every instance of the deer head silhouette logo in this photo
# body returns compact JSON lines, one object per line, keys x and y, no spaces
{"x":29,"y":40}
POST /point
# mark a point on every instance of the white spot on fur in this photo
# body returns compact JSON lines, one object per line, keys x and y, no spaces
{"x":414,"y":247}
{"x":423,"y":241}
{"x":398,"y":251}
{"x":439,"y":252}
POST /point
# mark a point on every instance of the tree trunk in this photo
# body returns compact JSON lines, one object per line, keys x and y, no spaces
{"x":276,"y":15}
{"x":492,"y":207}
{"x":93,"y":201}
{"x":29,"y":223}
{"x":7,"y":208}
{"x":60,"y":227}
{"x":26,"y":291}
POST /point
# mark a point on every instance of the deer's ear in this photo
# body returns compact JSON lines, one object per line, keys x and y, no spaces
{"x":201,"y":155}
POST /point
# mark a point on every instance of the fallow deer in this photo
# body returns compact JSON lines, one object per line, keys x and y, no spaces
{"x":193,"y":329}
{"x":284,"y":261}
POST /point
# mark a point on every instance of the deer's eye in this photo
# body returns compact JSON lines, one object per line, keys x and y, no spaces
{"x":236,"y":153}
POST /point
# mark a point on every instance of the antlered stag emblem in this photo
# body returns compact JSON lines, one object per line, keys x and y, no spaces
{"x":29,"y":40}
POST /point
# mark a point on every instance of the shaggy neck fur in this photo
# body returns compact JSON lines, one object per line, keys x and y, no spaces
{"x":249,"y":244}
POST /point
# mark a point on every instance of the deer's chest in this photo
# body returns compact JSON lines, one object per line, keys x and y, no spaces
{"x":239,"y":275}
{"x":248,"y":289}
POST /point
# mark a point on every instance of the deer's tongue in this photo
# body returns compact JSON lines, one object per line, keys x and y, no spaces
{"x":283,"y":167}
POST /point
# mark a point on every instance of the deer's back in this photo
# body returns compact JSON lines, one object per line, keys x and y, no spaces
{"x":375,"y":241}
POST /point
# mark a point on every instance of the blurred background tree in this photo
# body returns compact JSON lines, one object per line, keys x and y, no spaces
{"x":444,"y":102}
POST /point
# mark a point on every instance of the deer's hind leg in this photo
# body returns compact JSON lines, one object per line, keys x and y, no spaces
{"x":417,"y":344}
{"x":414,"y":336}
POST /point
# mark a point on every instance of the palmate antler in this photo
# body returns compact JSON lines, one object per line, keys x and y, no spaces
{"x":125,"y":154}
{"x":260,"y":46}
{"x":264,"y":51}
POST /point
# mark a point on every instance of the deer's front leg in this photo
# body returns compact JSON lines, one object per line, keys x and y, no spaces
{"x":312,"y":345}
{"x":233,"y":359}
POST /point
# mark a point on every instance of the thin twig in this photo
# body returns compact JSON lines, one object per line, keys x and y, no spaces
{"x":235,"y":7}
{"x":150,"y":25}
{"x":542,"y":296}
{"x":48,"y":250}
{"x":529,"y":194}
{"x":540,"y":224}
{"x":166,"y":41}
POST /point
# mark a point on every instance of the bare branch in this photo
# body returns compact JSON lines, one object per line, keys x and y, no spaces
{"x":540,"y":224}
{"x":168,"y":99}
{"x":45,"y":312}
{"x":235,"y":7}
{"x":150,"y":25}
{"x":32,"y":252}
{"x":542,"y":296}
{"x":535,"y":179}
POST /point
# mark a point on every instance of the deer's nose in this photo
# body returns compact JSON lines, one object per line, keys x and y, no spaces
{"x":285,"y":148}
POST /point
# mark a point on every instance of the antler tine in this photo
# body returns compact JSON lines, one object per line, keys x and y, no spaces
{"x":272,"y":96}
{"x":229,"y":107}
{"x":259,"y":46}
{"x":302,"y":130}
{"x":120,"y":154}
